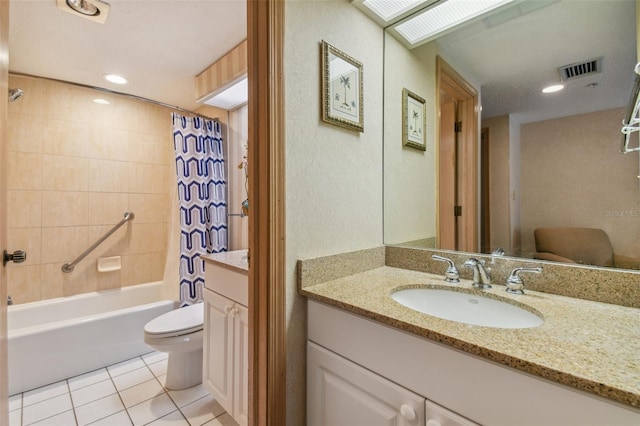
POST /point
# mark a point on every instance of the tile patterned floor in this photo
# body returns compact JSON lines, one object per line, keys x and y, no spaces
{"x":124,"y":394}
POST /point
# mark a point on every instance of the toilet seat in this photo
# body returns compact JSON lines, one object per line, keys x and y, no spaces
{"x":189,"y":319}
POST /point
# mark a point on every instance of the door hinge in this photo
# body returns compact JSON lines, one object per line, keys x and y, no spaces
{"x":457,"y":210}
{"x":458,"y":126}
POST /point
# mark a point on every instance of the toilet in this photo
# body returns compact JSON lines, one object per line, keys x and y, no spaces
{"x":179,"y":333}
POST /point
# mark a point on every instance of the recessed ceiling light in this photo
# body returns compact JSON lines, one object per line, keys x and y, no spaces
{"x":553,"y":88}
{"x":101,"y":101}
{"x":434,"y":21}
{"x":94,"y":10}
{"x":113,"y":78}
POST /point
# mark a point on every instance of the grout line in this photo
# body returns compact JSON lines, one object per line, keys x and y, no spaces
{"x":73,"y":405}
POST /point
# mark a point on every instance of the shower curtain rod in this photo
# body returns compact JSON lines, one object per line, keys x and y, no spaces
{"x":114,"y":92}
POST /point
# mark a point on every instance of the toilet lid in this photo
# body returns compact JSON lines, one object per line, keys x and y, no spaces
{"x":179,"y":321}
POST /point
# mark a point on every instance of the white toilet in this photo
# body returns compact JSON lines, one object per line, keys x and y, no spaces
{"x":179,"y":333}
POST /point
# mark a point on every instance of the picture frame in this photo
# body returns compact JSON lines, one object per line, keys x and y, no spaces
{"x":414,"y":120}
{"x":342,"y":89}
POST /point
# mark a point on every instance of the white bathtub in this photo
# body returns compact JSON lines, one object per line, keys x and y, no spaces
{"x":59,"y":338}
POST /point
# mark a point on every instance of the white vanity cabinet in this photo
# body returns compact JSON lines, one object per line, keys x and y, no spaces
{"x":355,"y":364}
{"x":226,"y":339}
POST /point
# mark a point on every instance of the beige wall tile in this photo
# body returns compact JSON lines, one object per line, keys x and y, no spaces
{"x":106,"y":143}
{"x":24,"y":209}
{"x":108,"y":280}
{"x":65,"y":208}
{"x":24,"y":170}
{"x":63,"y":244}
{"x":107,"y":208}
{"x":23,"y":284}
{"x":27,"y":239}
{"x":63,"y":137}
{"x":25,"y":132}
{"x":83,"y":279}
{"x":116,"y":245}
{"x":148,"y":238}
{"x":148,"y":178}
{"x":143,"y":268}
{"x":51,"y":280}
{"x":142,"y":150}
{"x":59,"y":101}
{"x":63,"y":173}
{"x":150,"y":208}
{"x":108,"y":176}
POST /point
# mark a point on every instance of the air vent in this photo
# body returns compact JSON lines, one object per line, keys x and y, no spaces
{"x":580,"y":69}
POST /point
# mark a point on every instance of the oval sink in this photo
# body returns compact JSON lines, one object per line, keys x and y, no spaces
{"x":466,"y":308}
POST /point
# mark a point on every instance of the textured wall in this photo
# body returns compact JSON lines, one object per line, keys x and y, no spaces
{"x":334,"y":176}
{"x":74,"y":168}
{"x":573,"y":175}
{"x":410,"y":174}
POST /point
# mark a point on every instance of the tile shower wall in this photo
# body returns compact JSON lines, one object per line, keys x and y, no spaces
{"x":74,"y":168}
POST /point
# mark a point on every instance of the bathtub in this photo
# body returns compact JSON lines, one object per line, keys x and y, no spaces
{"x":59,"y":338}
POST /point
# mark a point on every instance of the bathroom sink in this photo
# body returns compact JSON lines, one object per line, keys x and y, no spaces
{"x":466,"y":308}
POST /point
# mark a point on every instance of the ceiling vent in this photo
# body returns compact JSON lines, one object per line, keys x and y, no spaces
{"x":580,"y":69}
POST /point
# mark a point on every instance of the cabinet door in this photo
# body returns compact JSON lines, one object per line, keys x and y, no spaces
{"x":241,"y":367}
{"x":439,"y":416}
{"x":342,"y":393}
{"x":218,"y":348}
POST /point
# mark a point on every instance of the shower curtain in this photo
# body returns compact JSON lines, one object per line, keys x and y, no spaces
{"x":202,"y":198}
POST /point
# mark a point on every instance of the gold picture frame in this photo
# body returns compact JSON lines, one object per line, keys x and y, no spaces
{"x":342,"y":89}
{"x":414,"y":120}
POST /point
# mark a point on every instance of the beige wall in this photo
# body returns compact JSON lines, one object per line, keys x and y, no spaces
{"x":574,"y":175}
{"x":74,"y":168}
{"x":333,"y":176}
{"x":499,"y":182}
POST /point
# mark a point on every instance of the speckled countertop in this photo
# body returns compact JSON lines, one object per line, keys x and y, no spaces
{"x":236,"y":259}
{"x":588,"y":345}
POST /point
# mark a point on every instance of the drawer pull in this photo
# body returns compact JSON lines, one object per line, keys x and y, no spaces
{"x":407,"y":412}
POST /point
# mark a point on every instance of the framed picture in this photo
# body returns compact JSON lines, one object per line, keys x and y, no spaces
{"x":414,"y":120}
{"x":341,"y":89}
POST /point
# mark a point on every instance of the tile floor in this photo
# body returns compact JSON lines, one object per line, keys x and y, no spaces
{"x":128,"y":393}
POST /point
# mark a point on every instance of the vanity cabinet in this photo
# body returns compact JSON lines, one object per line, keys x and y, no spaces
{"x":226,"y":353}
{"x":340,"y":392}
{"x":226,"y":340}
{"x":356,"y":364}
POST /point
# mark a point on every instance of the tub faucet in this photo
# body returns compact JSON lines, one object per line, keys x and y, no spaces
{"x":481,"y":277}
{"x":451,"y":275}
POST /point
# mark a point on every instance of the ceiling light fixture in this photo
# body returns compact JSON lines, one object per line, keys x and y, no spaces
{"x":114,"y":78}
{"x":101,"y":101}
{"x":231,"y":97}
{"x":94,"y":10}
{"x":553,"y":88}
{"x":443,"y":17}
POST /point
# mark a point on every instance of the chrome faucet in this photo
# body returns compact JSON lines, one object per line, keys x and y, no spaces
{"x":515,"y":284}
{"x":481,"y":277}
{"x":451,"y":275}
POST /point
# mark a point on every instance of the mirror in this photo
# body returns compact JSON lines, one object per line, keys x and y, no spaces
{"x":553,"y":159}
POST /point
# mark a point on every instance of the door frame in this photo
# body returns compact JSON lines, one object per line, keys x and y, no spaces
{"x":448,"y":80}
{"x":267,"y":274}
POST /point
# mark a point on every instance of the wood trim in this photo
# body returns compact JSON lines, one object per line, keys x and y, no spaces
{"x":223,"y":72}
{"x":4,"y":87}
{"x":449,"y":82}
{"x":267,"y":325}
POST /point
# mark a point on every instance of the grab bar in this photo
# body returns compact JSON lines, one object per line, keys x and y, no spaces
{"x":68,"y":267}
{"x":631,"y":121}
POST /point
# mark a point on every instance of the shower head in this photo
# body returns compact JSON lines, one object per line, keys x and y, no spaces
{"x":15,"y":94}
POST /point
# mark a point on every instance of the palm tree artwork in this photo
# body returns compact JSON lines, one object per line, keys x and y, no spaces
{"x":415,"y":122}
{"x":346,"y":83}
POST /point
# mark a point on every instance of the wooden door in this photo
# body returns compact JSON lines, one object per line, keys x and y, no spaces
{"x":447,"y":175}
{"x":462,"y":184}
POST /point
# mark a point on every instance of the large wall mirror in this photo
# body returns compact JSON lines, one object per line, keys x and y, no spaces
{"x":545,"y":160}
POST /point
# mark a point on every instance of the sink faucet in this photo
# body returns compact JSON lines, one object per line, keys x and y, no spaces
{"x":515,"y":284}
{"x":481,"y":277}
{"x":451,"y":275}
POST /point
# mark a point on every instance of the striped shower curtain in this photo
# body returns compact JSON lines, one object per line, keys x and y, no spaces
{"x":202,"y":198}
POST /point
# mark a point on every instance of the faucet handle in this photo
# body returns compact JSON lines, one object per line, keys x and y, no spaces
{"x":451,"y":275}
{"x":515,"y":284}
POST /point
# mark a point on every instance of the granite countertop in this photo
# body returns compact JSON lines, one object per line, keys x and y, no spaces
{"x":588,"y":345}
{"x":236,"y":260}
